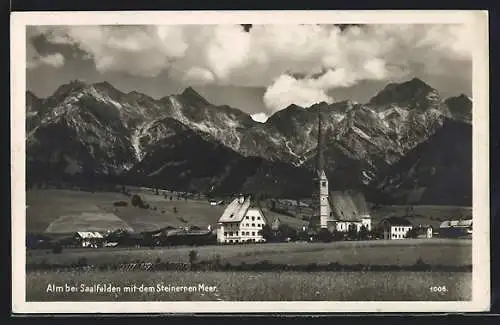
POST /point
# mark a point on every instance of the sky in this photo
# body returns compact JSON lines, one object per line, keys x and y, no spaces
{"x":259,"y":69}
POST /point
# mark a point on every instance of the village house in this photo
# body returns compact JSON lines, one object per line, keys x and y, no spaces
{"x":91,"y":239}
{"x":395,"y":227}
{"x":241,"y":222}
{"x":455,"y":228}
{"x":424,"y":231}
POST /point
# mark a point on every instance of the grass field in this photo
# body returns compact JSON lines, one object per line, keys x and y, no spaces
{"x":244,"y":286}
{"x":63,"y":211}
{"x":405,"y":252}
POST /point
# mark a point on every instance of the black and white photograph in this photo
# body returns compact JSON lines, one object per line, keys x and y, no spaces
{"x":248,"y":160}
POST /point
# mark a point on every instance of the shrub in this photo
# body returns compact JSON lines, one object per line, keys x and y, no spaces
{"x":267,"y":233}
{"x":325,"y":235}
{"x":137,"y":201}
{"x":82,"y":261}
{"x":193,"y":256}
{"x":57,"y":249}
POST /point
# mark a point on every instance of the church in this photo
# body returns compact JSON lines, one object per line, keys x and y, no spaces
{"x":336,"y":210}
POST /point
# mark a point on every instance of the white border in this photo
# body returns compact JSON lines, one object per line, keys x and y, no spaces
{"x":477,"y":20}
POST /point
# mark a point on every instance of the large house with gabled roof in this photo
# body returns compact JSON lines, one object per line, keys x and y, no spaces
{"x":241,"y":222}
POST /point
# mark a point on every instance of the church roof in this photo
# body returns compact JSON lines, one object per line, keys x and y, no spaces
{"x":348,"y":205}
{"x":396,"y":221}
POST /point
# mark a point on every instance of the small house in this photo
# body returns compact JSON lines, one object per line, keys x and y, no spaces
{"x":276,"y":224}
{"x":424,"y":231}
{"x":89,"y":238}
{"x":395,"y":227}
{"x":455,"y":228}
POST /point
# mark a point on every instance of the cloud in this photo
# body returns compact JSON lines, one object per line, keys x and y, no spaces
{"x":271,"y":56}
{"x":35,"y":59}
{"x":287,"y":90}
{"x":260,"y":117}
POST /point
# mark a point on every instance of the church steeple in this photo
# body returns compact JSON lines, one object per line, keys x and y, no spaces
{"x":320,"y":163}
{"x":324,"y":204}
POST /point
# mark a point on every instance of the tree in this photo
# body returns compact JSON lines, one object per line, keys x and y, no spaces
{"x":325,"y":235}
{"x":352,"y":231}
{"x":193,"y":256}
{"x":137,"y":201}
{"x":363,"y":233}
{"x":412,"y":233}
{"x":285,"y":231}
{"x":302,"y":235}
{"x":267,"y":233}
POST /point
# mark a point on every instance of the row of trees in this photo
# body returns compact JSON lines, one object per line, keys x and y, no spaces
{"x":287,"y":233}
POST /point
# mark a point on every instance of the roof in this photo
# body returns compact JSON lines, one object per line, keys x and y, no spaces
{"x":348,"y":205}
{"x":456,"y":223}
{"x":236,"y":210}
{"x":465,"y":223}
{"x":397,"y":221}
{"x":89,"y":234}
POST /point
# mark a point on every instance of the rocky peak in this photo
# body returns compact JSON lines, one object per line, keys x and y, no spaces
{"x":191,"y":95}
{"x":414,"y":93}
{"x":460,"y":107}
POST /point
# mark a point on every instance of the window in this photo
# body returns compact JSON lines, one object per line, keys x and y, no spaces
{"x":253,"y":218}
{"x":253,"y":233}
{"x":225,"y":234}
{"x":253,"y":224}
{"x":232,"y":215}
{"x":323,"y":183}
{"x":230,"y":233}
{"x":247,"y":217}
{"x":258,"y":218}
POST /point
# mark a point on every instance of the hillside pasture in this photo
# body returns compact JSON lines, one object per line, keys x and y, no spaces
{"x":423,"y":214}
{"x":58,"y":211}
{"x":43,"y":207}
{"x":453,"y":252}
{"x":258,"y":286}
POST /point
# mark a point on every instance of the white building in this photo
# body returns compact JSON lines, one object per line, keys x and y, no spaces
{"x":241,"y":222}
{"x":396,"y":227}
{"x":89,"y":238}
{"x":400,"y":231}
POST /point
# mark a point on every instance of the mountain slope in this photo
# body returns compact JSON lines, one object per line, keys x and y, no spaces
{"x":194,"y":161}
{"x":460,"y":108}
{"x":186,"y":142}
{"x":438,"y":171}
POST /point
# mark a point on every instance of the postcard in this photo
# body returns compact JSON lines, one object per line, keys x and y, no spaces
{"x":250,"y":161}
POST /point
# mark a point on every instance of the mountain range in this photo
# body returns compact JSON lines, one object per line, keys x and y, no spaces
{"x":402,"y":140}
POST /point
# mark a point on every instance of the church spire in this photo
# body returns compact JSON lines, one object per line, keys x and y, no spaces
{"x":320,"y":164}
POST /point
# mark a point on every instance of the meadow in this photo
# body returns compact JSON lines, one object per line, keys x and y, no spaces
{"x":66,"y":211}
{"x":453,"y":252}
{"x":256,"y":286}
